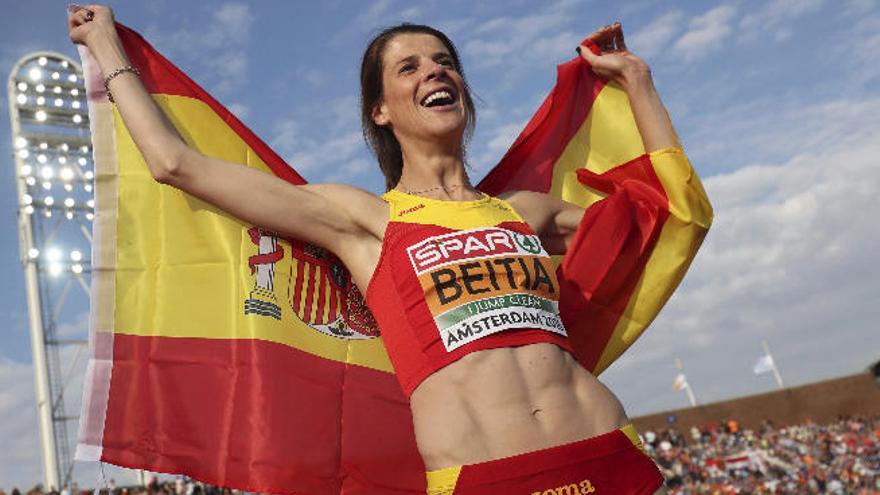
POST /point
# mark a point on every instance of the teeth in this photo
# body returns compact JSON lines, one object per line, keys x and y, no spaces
{"x":435,"y":96}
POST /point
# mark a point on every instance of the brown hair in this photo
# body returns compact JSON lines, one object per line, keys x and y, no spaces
{"x":381,"y":139}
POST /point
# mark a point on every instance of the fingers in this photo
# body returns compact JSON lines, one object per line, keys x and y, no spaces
{"x":588,"y":51}
{"x":609,"y":38}
{"x":89,"y":12}
{"x":618,"y":39}
{"x":79,"y":16}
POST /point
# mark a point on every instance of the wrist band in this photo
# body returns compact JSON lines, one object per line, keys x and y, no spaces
{"x":127,"y":68}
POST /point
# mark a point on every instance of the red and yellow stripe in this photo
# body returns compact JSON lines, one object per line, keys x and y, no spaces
{"x":188,"y":382}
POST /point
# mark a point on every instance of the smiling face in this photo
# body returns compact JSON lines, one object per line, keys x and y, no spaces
{"x":422,"y":91}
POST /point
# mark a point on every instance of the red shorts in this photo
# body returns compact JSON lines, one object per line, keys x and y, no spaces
{"x":610,"y":463}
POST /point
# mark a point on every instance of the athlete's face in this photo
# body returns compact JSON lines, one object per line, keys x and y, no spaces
{"x":421,"y":90}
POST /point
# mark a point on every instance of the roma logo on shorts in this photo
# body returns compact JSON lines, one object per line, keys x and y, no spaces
{"x":320,"y":292}
{"x":584,"y":487}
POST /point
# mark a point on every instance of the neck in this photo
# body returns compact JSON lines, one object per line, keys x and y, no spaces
{"x":435,"y":171}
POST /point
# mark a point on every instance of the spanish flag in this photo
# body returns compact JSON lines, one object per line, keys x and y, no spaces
{"x":647,"y":213}
{"x":228,"y":354}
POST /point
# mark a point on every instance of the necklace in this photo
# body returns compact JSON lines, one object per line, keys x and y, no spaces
{"x":447,"y":189}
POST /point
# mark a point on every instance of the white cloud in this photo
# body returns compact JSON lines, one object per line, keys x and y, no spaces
{"x":20,"y":463}
{"x":499,"y":39}
{"x":78,"y":326}
{"x":740,"y":133}
{"x":349,"y":171}
{"x":20,"y":459}
{"x":306,"y":153}
{"x":234,"y":21}
{"x":219,"y":44}
{"x":790,"y":259}
{"x":654,"y":38}
{"x":861,"y":52}
{"x":239,"y":109}
{"x":775,"y":19}
{"x":706,"y":33}
{"x":314,"y":77}
{"x":860,"y":7}
{"x":518,"y":42}
{"x":375,"y":15}
{"x":334,"y":150}
{"x":497,"y":140}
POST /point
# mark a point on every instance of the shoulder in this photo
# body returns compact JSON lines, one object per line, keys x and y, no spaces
{"x":534,"y":204}
{"x":349,"y":196}
{"x":545,"y":214}
{"x":365,"y":208}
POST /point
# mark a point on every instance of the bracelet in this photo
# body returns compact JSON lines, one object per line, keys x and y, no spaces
{"x":127,"y":68}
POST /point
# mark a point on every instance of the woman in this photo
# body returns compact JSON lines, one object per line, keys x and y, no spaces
{"x":502,"y":389}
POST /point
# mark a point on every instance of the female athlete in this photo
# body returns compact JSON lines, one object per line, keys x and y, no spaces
{"x":502,"y":407}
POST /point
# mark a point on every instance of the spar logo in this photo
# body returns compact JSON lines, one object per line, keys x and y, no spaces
{"x":320,"y":292}
{"x":468,"y":244}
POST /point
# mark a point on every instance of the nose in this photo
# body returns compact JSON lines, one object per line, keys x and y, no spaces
{"x":435,"y":70}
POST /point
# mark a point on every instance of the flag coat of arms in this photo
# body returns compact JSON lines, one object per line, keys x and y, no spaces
{"x":223,"y":352}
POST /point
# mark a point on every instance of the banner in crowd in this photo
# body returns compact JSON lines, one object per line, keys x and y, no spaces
{"x":225,"y":353}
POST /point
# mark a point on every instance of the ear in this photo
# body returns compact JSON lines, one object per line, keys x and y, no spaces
{"x":380,"y":114}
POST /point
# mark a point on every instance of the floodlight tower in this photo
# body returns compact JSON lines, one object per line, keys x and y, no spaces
{"x":54,"y":177}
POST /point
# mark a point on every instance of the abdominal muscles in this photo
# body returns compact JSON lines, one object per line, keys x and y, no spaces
{"x":500,"y":402}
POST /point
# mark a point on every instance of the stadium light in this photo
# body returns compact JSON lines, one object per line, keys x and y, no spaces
{"x":50,"y":132}
{"x":55,"y":269}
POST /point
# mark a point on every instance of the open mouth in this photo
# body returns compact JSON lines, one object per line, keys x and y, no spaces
{"x":439,"y":98}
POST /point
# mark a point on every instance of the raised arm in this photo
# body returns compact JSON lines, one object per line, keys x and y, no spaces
{"x":617,"y":64}
{"x":329,"y":215}
{"x":556,"y":220}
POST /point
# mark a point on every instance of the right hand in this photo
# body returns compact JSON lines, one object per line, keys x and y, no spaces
{"x":614,"y":61}
{"x":82,"y":30}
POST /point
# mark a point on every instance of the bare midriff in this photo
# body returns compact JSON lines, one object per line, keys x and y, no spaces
{"x":501,"y":402}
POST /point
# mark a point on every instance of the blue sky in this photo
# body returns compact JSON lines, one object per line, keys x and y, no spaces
{"x":777,"y":104}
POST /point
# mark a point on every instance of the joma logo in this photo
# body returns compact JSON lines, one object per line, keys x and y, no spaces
{"x":582,"y":488}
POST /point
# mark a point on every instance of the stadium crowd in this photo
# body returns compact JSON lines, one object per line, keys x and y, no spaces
{"x":838,"y":458}
{"x":718,"y":459}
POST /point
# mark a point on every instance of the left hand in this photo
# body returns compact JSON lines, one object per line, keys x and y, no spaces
{"x":614,"y":62}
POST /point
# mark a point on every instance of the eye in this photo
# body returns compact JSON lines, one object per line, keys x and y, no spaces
{"x":405,"y":68}
{"x":447,"y":62}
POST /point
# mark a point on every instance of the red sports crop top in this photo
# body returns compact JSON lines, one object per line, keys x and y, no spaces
{"x":456,"y":277}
